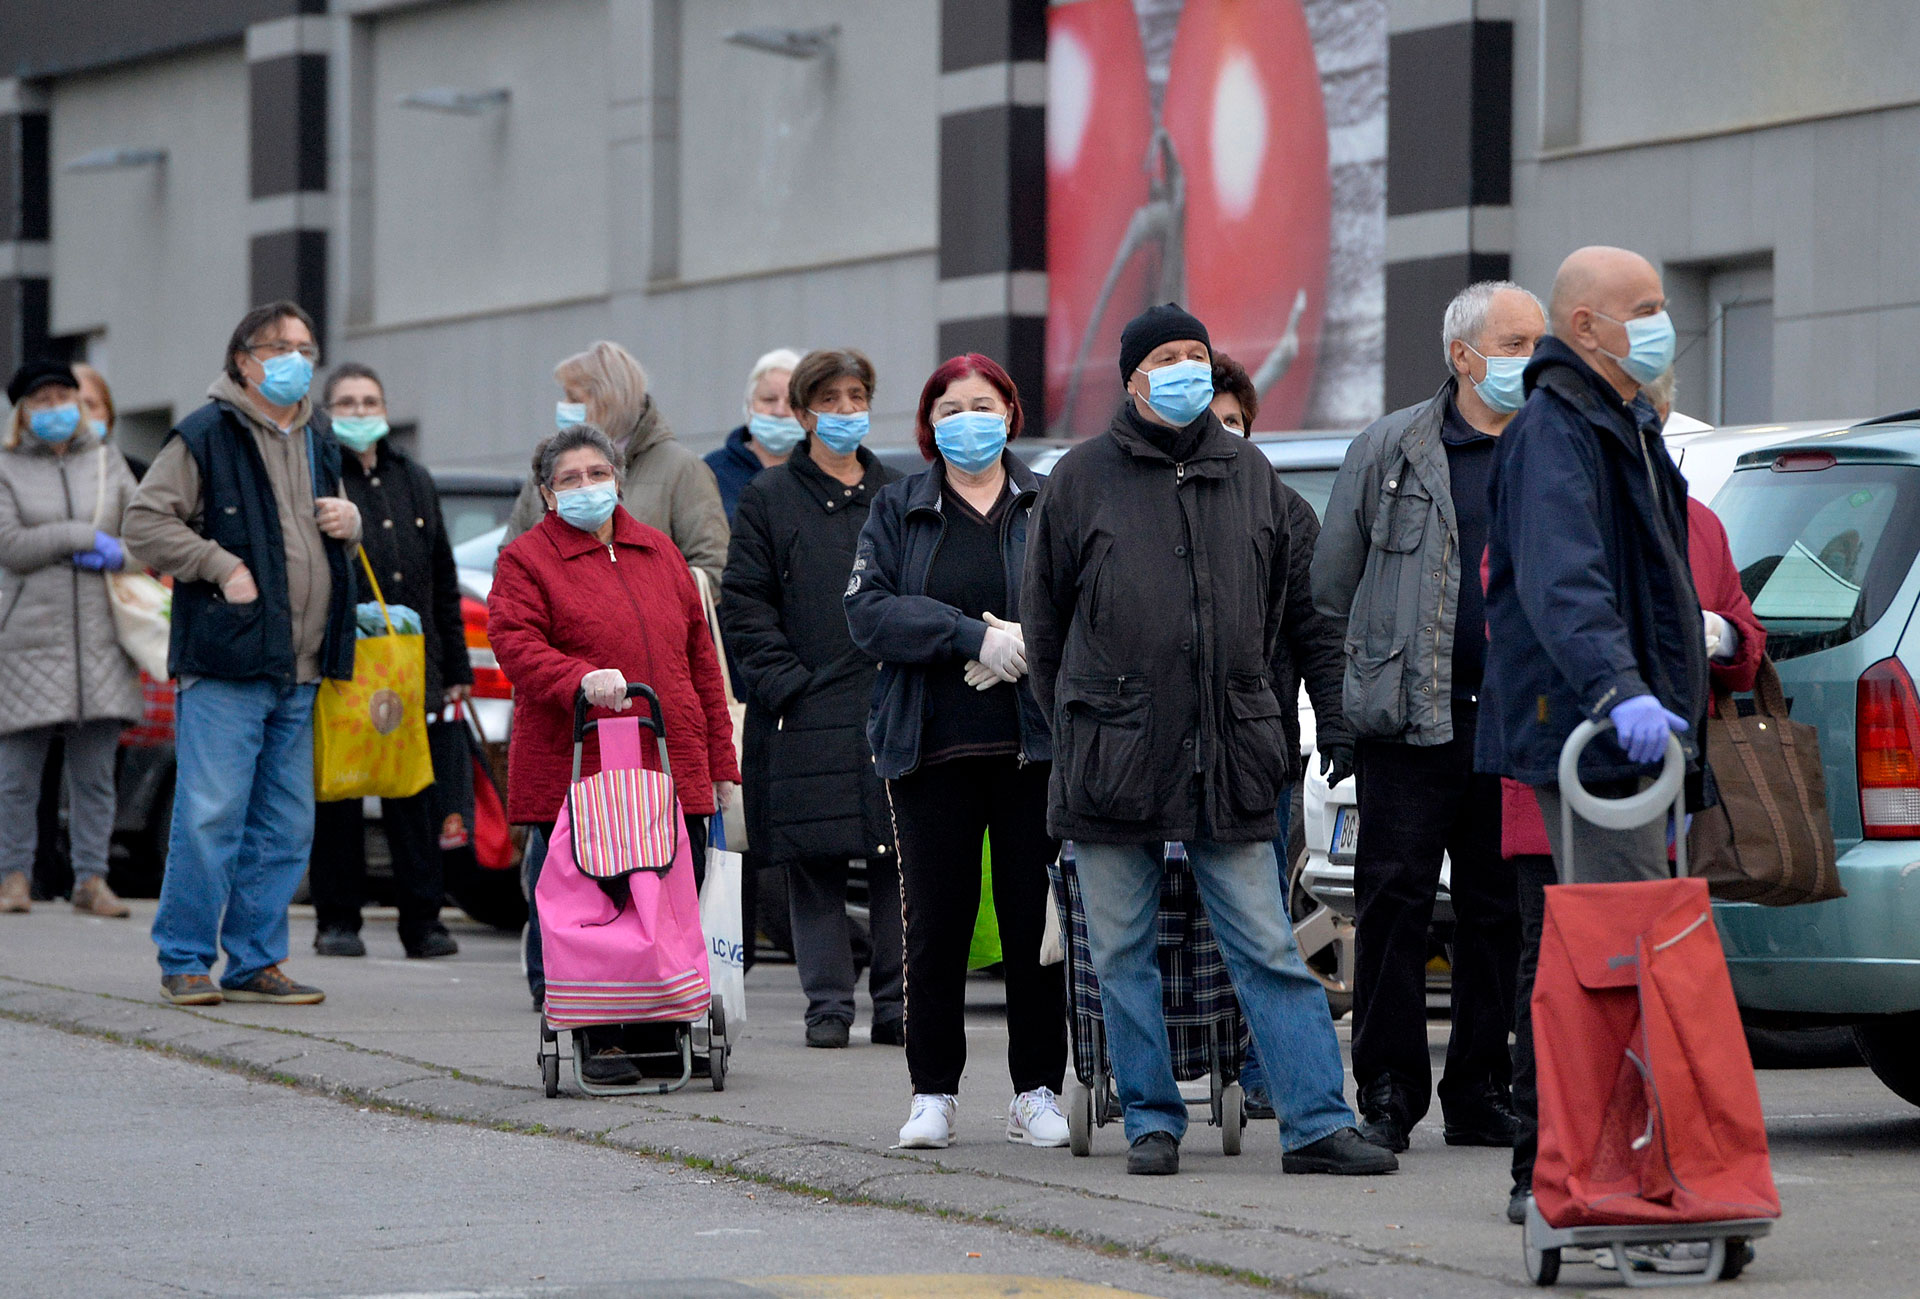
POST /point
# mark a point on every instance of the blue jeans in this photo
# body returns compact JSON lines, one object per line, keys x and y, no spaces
{"x":1252,"y":1077}
{"x":242,"y":826}
{"x":1286,"y":1008}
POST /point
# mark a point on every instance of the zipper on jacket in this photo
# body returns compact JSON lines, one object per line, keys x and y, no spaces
{"x":79,"y":677}
{"x":614,"y":559}
{"x":1446,"y":553}
{"x":1193,"y":621}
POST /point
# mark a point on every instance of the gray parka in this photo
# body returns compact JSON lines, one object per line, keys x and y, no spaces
{"x":1388,"y":568}
{"x":60,"y":660}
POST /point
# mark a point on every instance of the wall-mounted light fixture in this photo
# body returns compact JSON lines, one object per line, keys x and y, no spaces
{"x":466,"y":103}
{"x":115,"y":159}
{"x":788,"y":42}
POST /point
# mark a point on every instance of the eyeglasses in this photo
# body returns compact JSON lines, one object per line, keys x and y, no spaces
{"x":353,"y":405}
{"x":584,"y":478}
{"x":278,"y":347}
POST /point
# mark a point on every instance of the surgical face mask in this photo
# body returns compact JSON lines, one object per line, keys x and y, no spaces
{"x":99,"y":427}
{"x":285,"y":379}
{"x":358,"y":432}
{"x":1502,"y":389}
{"x":779,"y":434}
{"x":841,"y":434}
{"x":55,"y":423}
{"x":1178,"y":393}
{"x":1650,"y":346}
{"x":568,"y":413}
{"x":586,"y":508}
{"x":971,"y":440}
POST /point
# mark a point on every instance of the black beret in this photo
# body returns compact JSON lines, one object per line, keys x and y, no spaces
{"x":1152,"y":327}
{"x":35,"y":375}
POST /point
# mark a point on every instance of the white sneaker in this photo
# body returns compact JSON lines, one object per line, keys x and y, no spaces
{"x":930,"y":1125}
{"x":1034,"y":1119}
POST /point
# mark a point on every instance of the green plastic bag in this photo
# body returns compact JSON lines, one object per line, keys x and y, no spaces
{"x":985,"y":949}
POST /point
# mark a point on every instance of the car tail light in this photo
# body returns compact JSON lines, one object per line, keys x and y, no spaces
{"x":489,"y":682}
{"x":1887,"y":748}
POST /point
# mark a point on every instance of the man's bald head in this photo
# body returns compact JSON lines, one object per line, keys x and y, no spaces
{"x":1596,"y":290}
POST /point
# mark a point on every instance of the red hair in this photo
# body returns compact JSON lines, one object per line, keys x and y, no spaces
{"x":950,"y":373}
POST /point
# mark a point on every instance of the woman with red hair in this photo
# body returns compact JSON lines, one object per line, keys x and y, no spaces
{"x":963,"y":747}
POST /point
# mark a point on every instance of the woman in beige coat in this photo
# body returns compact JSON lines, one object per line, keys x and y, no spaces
{"x":62,"y":671}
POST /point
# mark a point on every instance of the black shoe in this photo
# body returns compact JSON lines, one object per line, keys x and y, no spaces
{"x":610,"y":1067}
{"x":1345,"y":1153}
{"x":829,"y":1033}
{"x":435,"y":942}
{"x":1487,"y":1121}
{"x":889,"y":1032}
{"x":1380,"y":1121}
{"x":1517,"y":1205}
{"x":1258,"y":1105}
{"x":1155,"y":1154}
{"x":338,"y":942}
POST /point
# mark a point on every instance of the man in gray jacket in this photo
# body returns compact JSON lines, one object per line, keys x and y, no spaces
{"x":1398,"y":563}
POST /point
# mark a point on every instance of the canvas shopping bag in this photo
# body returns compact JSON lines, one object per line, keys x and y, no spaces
{"x":142,"y":606}
{"x":370,"y":733}
{"x":720,"y":920}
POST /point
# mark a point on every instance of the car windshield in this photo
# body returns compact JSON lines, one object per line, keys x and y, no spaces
{"x":469,"y":514}
{"x":1314,"y":485}
{"x":1821,"y":553}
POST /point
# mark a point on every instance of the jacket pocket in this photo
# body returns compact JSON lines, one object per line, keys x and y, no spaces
{"x":1375,"y":696}
{"x":1090,"y":576}
{"x":1255,"y":745}
{"x":1107,"y":724}
{"x":1402,"y":524}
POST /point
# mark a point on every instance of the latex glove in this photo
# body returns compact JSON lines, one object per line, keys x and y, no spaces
{"x":1002,"y":651}
{"x":980,"y":676}
{"x":237,"y":587}
{"x":91,"y":560}
{"x":1642,"y":725}
{"x":1723,"y":638}
{"x":723,"y":792}
{"x":106,"y":554}
{"x":338,"y":517}
{"x":607,"y":688}
{"x":1336,"y":763}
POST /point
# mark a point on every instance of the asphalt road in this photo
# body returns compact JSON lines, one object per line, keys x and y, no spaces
{"x":124,"y":1172}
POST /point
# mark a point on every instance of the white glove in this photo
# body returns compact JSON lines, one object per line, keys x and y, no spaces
{"x":1003,"y":652}
{"x":980,"y":676}
{"x":606,"y":688}
{"x":1719,"y":634}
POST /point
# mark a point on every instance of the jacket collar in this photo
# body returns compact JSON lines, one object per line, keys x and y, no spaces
{"x":829,"y":491}
{"x":236,"y":398}
{"x":1560,"y":369}
{"x":571,"y":543}
{"x":1213,"y":458}
{"x":924,"y":494}
{"x":737,"y":449}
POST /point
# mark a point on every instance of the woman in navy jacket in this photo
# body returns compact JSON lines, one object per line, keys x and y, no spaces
{"x":964,"y":749}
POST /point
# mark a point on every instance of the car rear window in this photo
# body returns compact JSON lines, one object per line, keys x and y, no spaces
{"x":1314,"y":485}
{"x":1821,"y":553}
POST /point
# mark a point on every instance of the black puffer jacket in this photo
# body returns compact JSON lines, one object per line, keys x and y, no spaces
{"x":810,"y":786}
{"x":1153,"y":600}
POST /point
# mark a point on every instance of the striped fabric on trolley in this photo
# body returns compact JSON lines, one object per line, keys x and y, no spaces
{"x":581,"y":1005}
{"x":623,"y":821}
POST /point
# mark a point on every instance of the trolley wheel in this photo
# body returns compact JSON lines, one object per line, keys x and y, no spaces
{"x":550,"y":1074}
{"x":1543,"y":1265}
{"x":1738,"y":1253}
{"x":1233,"y":1118}
{"x":1079,"y":1101}
{"x":717,"y":1044}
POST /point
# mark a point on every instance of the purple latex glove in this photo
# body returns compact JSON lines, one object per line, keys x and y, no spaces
{"x":1642,"y":725}
{"x":107,"y":554}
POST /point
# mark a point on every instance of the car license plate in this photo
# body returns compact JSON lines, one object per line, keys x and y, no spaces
{"x":1346,"y":834}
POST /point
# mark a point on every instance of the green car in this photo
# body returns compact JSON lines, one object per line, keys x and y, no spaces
{"x":1824,"y":531}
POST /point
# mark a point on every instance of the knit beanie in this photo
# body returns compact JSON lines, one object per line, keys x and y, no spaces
{"x":1152,"y":327}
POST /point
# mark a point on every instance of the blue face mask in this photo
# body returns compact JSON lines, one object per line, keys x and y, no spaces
{"x":358,"y":432}
{"x":842,"y":434}
{"x":971,"y":440}
{"x":586,"y":508}
{"x":1502,"y":389}
{"x":55,"y":423}
{"x":1650,"y":346}
{"x":1180,"y":392}
{"x":99,"y":427}
{"x":568,"y":413}
{"x":285,"y":379}
{"x":779,"y":434}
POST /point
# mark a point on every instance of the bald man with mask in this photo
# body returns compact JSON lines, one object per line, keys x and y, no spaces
{"x":1591,"y":609}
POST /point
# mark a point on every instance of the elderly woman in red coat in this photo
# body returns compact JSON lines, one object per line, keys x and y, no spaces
{"x":591,"y":599}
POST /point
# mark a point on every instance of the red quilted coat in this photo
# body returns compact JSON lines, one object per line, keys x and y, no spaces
{"x":563,"y":605}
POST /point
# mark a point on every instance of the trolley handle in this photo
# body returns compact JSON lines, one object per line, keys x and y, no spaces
{"x":1667,"y":794}
{"x":654,"y":722}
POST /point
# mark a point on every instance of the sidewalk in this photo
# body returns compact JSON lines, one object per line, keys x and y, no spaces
{"x":457,"y":1038}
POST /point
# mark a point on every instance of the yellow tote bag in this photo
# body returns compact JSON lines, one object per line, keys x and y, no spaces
{"x":370,"y":733}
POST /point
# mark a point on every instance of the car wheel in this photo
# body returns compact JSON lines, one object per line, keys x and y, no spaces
{"x":1326,"y":940}
{"x":1824,"y":1047}
{"x":490,"y":897}
{"x":1891,"y":1044}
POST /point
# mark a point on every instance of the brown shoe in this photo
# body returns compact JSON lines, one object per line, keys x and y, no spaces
{"x":14,"y":894}
{"x":189,"y":990}
{"x":92,"y":897}
{"x":271,"y":985}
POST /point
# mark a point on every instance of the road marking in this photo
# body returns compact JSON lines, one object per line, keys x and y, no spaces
{"x":914,"y":1286}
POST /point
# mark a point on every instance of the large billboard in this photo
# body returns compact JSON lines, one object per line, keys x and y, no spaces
{"x":1229,"y":155}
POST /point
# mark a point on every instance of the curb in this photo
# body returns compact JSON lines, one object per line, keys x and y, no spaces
{"x":1294,"y":1262}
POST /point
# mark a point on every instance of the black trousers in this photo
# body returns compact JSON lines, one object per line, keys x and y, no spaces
{"x":1418,"y":802}
{"x":337,"y":869}
{"x":940,"y":814}
{"x":1534,"y":874}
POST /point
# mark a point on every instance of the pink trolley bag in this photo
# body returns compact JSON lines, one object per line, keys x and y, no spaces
{"x":620,"y":915}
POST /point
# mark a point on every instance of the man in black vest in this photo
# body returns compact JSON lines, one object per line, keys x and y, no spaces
{"x":243,"y":507}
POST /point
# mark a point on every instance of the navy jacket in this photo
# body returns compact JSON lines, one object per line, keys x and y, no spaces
{"x":734,"y":466}
{"x":894,"y":620}
{"x":1590,"y":599}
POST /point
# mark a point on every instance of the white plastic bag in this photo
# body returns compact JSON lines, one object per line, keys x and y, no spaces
{"x":720,"y":922}
{"x":1053,"y":947}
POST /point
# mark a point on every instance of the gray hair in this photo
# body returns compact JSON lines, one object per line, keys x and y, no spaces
{"x":780,"y":358}
{"x":572,"y":438}
{"x":1660,"y":391}
{"x":1466,"y":318}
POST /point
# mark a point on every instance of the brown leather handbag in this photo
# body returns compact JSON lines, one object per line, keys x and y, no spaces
{"x":1768,"y":839}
